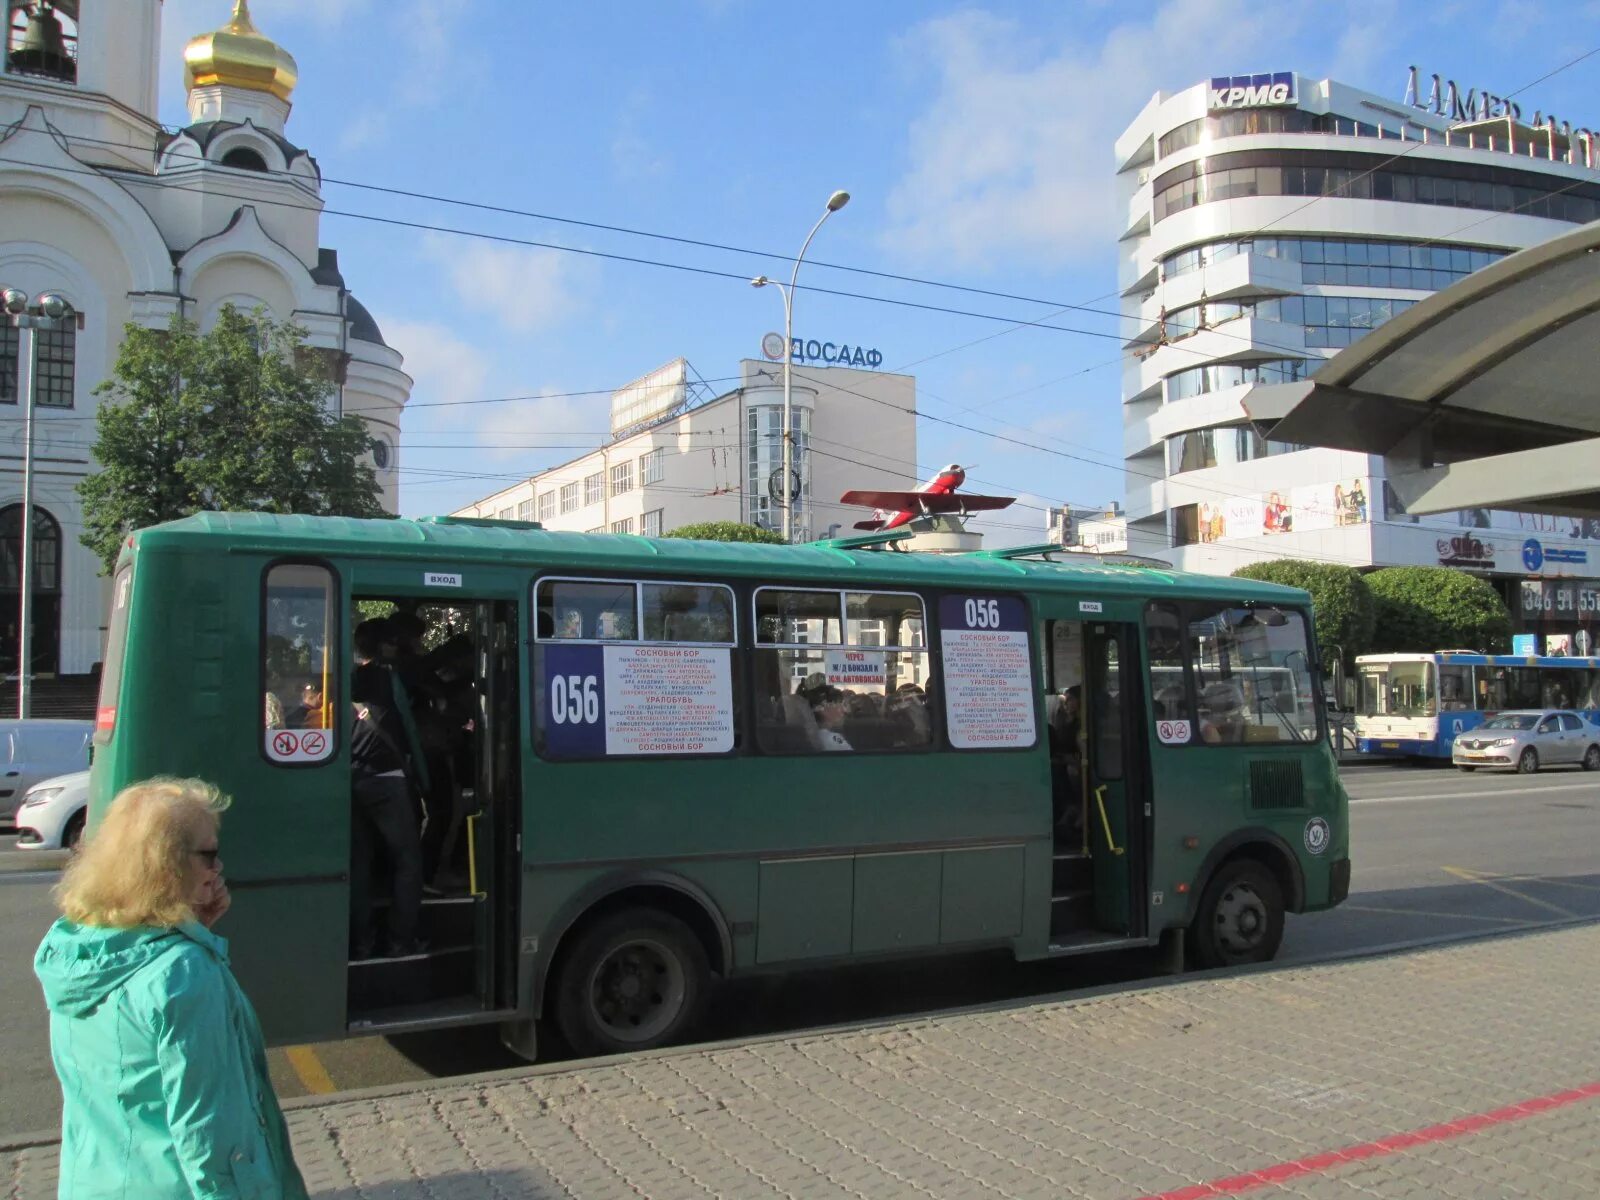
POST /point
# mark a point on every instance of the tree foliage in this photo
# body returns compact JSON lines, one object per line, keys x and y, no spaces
{"x":727,"y":531}
{"x":1341,"y":602}
{"x":1437,"y":608}
{"x":233,"y":419}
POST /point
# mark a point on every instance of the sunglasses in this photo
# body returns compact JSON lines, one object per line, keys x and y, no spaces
{"x":210,"y":857}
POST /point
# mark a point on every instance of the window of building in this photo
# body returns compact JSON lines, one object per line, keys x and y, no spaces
{"x":1367,"y":262}
{"x":10,"y":354}
{"x":506,"y":514}
{"x":622,"y":478}
{"x":300,"y":664}
{"x":569,"y":497}
{"x":1197,"y":381}
{"x":41,"y":43}
{"x":623,"y":526}
{"x":652,"y":466}
{"x":243,"y":158}
{"x":55,"y":354}
{"x":1327,"y":321}
{"x":650,"y":523}
{"x":525,"y":510}
{"x":594,"y":488}
{"x":1268,"y":120}
{"x":596,"y":529}
{"x":547,"y":505}
{"x":1221,"y":446}
{"x":1371,"y":176}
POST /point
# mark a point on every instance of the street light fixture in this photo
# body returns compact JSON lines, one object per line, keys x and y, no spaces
{"x":790,"y":493}
{"x":52,"y":310}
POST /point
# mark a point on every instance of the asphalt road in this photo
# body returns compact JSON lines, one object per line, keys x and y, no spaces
{"x":1438,"y":854}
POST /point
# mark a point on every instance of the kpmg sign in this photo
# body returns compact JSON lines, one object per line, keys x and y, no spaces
{"x":1253,"y":91}
{"x":834,"y":354}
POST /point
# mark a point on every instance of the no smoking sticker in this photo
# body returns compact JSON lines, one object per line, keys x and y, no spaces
{"x":1172,"y":733}
{"x":291,"y":746}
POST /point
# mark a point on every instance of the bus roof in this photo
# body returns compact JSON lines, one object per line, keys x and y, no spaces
{"x":1466,"y":658}
{"x":443,"y":543}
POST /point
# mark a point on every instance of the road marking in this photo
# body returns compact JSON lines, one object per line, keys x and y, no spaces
{"x":1545,"y":879}
{"x":313,"y":1075}
{"x":1422,"y":912}
{"x":1490,"y":882}
{"x":1524,"y":791}
{"x":29,"y":876}
{"x":1321,"y":1164}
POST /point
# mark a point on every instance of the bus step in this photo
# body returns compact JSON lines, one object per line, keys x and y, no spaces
{"x":1071,"y":872}
{"x":448,"y":920}
{"x":1071,"y":911}
{"x":435,"y":974}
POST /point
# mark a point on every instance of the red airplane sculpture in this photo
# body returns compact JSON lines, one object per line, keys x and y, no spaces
{"x":937,"y":497}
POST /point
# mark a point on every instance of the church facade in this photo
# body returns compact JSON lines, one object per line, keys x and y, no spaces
{"x":131,"y":222}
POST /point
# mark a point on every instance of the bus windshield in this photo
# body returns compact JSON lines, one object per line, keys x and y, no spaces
{"x":1401,"y":689}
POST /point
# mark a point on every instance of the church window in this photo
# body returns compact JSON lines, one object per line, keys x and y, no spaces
{"x":243,"y":158}
{"x":55,"y":353}
{"x":42,"y":39}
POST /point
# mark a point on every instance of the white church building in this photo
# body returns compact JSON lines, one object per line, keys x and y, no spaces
{"x":130,"y":222}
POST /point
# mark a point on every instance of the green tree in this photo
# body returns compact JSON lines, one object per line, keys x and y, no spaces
{"x":726,"y":531}
{"x":1436,"y":608}
{"x":1341,"y":602}
{"x":233,"y":419}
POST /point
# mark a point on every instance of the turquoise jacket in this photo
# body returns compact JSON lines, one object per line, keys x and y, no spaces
{"x":163,"y":1072}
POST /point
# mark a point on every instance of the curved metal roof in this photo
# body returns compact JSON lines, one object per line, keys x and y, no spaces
{"x":1484,"y":395}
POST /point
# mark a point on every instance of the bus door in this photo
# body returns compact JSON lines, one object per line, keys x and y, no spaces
{"x":1116,"y":778}
{"x":452,"y":666}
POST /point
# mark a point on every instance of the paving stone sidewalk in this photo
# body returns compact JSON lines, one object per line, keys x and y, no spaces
{"x":1118,"y":1096}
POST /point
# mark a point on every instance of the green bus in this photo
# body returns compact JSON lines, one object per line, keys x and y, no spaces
{"x":686,"y":761}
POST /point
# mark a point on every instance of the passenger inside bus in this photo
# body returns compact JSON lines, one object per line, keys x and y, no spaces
{"x":1221,"y":714}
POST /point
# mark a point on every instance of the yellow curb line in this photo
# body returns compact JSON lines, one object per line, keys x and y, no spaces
{"x":313,"y":1075}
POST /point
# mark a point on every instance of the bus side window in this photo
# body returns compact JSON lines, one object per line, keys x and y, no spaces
{"x":1164,"y":636}
{"x":299,"y":663}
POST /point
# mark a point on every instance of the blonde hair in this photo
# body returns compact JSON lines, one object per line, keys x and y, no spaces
{"x":138,"y":868}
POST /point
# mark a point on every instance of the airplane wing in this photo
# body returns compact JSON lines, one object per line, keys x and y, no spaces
{"x":869,"y":526}
{"x":927,"y":502}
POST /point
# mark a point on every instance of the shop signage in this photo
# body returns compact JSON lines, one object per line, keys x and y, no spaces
{"x":834,"y":354}
{"x":1525,"y":644}
{"x":1465,"y":551}
{"x":1535,"y":555}
{"x":1252,"y":91}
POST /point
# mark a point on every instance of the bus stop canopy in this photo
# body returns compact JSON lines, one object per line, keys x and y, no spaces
{"x":1484,"y":395}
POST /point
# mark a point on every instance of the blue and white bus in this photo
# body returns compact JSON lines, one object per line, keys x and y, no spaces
{"x":1413,"y":705}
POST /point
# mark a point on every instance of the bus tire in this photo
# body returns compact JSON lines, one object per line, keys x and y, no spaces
{"x":1240,"y":917}
{"x":1528,"y":763}
{"x":633,"y":980}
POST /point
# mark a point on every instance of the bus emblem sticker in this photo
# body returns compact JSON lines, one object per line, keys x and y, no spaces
{"x":1173,"y":733}
{"x":1317,"y":835}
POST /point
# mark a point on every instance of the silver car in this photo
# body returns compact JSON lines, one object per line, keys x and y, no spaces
{"x":34,"y":750}
{"x":1527,"y":739}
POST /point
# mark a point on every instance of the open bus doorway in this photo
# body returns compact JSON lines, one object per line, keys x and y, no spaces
{"x":434,"y":716}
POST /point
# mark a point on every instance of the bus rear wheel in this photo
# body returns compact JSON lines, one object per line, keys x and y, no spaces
{"x":634,"y":980}
{"x":1240,"y":917}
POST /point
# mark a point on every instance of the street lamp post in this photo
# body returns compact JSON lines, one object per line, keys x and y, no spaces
{"x":52,"y":309}
{"x":835,"y":202}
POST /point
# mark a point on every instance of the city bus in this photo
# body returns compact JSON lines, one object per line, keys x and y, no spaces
{"x":691,"y":761}
{"x":1413,"y":705}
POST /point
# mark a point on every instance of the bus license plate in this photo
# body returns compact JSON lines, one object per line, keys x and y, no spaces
{"x":1389,"y":745}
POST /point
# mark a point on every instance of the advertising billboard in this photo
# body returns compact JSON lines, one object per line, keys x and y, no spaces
{"x":650,"y":396}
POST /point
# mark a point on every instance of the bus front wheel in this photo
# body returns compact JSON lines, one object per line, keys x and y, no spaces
{"x":634,"y":980}
{"x":1240,"y":917}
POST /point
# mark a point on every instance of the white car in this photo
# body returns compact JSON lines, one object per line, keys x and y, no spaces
{"x":53,"y":813}
{"x":35,"y":750}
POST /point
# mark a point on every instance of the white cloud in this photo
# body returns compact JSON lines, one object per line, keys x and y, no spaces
{"x":442,"y":366}
{"x":1011,"y":160}
{"x":527,"y":289}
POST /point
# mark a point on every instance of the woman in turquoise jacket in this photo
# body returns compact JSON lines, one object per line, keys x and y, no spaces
{"x":163,"y":1072}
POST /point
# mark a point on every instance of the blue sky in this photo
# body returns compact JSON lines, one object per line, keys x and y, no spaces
{"x":975,"y":141}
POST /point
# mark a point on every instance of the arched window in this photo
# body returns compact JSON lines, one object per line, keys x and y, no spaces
{"x":243,"y":158}
{"x":42,"y":39}
{"x":46,"y":549}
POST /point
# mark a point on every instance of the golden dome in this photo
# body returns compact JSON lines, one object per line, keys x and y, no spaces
{"x":237,"y":55}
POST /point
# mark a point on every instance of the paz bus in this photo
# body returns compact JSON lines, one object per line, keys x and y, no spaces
{"x":1413,"y":705}
{"x":691,"y":761}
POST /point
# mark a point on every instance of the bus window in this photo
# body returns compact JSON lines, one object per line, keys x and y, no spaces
{"x":1105,"y":690}
{"x":588,"y":611}
{"x":1252,"y":674}
{"x":105,"y":714}
{"x":687,"y":612}
{"x":1164,"y":634}
{"x":299,"y":663}
{"x":840,"y":672}
{"x":1455,"y":688}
